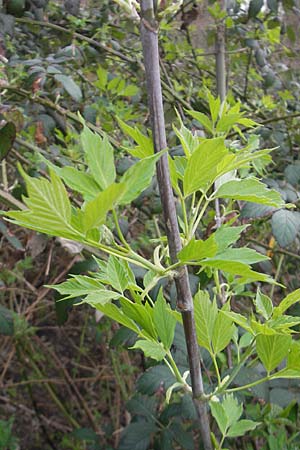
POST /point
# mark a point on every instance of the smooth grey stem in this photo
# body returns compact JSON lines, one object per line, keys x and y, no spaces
{"x":221,"y":91}
{"x":220,"y":58}
{"x":149,"y":36}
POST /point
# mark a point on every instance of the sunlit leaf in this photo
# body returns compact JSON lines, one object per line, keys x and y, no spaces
{"x":99,"y":156}
{"x":272,"y":349}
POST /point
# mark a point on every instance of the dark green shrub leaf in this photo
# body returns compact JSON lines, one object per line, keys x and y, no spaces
{"x":285,"y":226}
{"x":254,"y":8}
{"x":6,"y":322}
{"x":137,"y":436}
{"x":70,"y":86}
{"x":155,"y":378}
{"x":7,"y":138}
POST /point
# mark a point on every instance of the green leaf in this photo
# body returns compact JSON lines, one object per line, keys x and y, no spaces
{"x":226,"y":236}
{"x":292,"y":173}
{"x":236,"y":268}
{"x":70,"y":86}
{"x":205,"y":316}
{"x":285,"y":226}
{"x":214,"y":106}
{"x":99,"y":156}
{"x":102,"y":75}
{"x":236,"y":261}
{"x":82,"y":285}
{"x":137,"y":436}
{"x":117,"y":273}
{"x":222,"y":332}
{"x":263,"y":305}
{"x":243,"y":255}
{"x":188,"y":141}
{"x":286,"y":373}
{"x":293,"y":360}
{"x":233,"y":409}
{"x":239,"y":320}
{"x":129,"y":91}
{"x":284,"y":323}
{"x":202,"y":167}
{"x":113,"y":312}
{"x":151,"y":349}
{"x":254,"y":8}
{"x":272,"y":349}
{"x":6,"y":322}
{"x":286,"y":303}
{"x":79,"y":181}
{"x":141,"y":314}
{"x":220,"y":415}
{"x":150,"y":381}
{"x":138,"y":177}
{"x":197,"y":250}
{"x":251,"y":190}
{"x":7,"y":139}
{"x":49,"y":209}
{"x":227,"y":121}
{"x":241,"y":427}
{"x":164,"y":321}
{"x":95,"y":210}
{"x":202,"y":119}
{"x":145,"y":144}
{"x":254,"y":210}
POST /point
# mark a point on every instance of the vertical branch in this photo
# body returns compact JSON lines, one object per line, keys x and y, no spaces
{"x":220,"y":61}
{"x":221,"y":91}
{"x":221,"y":84}
{"x":149,"y":36}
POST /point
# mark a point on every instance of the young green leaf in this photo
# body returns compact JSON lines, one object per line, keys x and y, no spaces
{"x":214,"y":106}
{"x":49,"y":208}
{"x":113,"y":312}
{"x":197,"y":250}
{"x":232,"y":408}
{"x":219,"y":415}
{"x":286,"y":303}
{"x":188,"y":141}
{"x":164,"y":321}
{"x":99,"y":156}
{"x":263,"y":305}
{"x":145,"y":143}
{"x":205,"y":316}
{"x":239,"y":320}
{"x":95,"y":210}
{"x":225,"y":236}
{"x":81,"y":182}
{"x":138,"y":177}
{"x":293,"y":360}
{"x":272,"y":349}
{"x":251,"y":190}
{"x":117,"y":273}
{"x":242,"y":255}
{"x":202,"y":119}
{"x":151,"y":349}
{"x":141,"y":315}
{"x":222,"y":333}
{"x":241,"y":427}
{"x":202,"y":166}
